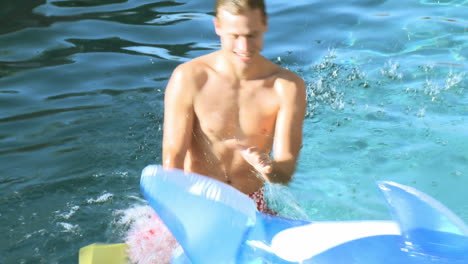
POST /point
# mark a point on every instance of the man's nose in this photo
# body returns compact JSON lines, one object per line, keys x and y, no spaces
{"x":243,"y":43}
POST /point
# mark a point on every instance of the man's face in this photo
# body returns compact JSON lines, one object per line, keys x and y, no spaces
{"x":241,"y":35}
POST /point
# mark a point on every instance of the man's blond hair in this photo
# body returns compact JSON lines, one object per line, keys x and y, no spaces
{"x":238,"y":7}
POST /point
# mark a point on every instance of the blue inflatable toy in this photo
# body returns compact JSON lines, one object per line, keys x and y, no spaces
{"x":215,"y":223}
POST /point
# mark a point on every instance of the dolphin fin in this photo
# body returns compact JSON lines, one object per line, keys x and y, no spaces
{"x":425,"y":223}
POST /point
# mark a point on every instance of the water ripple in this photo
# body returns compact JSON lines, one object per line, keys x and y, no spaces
{"x":136,"y":13}
{"x":49,"y":112}
{"x":76,"y":8}
{"x":39,"y":146}
{"x":167,"y":19}
{"x":110,"y":92}
{"x":84,"y":3}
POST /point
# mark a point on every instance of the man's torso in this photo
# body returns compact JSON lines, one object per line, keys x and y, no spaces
{"x":226,"y":111}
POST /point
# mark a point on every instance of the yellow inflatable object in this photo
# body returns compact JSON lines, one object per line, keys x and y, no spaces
{"x":104,"y":254}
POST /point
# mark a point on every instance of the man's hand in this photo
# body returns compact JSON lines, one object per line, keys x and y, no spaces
{"x":259,"y":160}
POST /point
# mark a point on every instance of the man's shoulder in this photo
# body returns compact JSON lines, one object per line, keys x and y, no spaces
{"x":196,"y":66}
{"x":190,"y":75}
{"x":193,"y":73}
{"x":285,"y":77}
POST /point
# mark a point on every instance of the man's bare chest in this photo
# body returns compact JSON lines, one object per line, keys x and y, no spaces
{"x":243,"y":112}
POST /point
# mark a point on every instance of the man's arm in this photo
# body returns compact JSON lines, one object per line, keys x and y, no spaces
{"x":288,"y":129}
{"x":178,"y":116}
{"x":288,"y":134}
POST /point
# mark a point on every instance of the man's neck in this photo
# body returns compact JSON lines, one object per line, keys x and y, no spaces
{"x":248,"y":72}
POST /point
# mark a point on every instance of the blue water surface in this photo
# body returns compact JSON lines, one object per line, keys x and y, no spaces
{"x":81,"y":98}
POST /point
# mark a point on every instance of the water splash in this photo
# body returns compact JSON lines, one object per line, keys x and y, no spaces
{"x":101,"y":199}
{"x":390,"y":70}
{"x":148,"y":239}
{"x":435,"y":85}
{"x":281,"y":200}
{"x":453,"y":80}
{"x":326,"y":83}
{"x":69,"y":228}
{"x":71,"y":212}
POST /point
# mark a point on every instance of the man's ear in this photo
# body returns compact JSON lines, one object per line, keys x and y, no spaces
{"x":217,"y":26}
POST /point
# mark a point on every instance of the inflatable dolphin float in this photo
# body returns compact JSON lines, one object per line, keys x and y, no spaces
{"x":214,"y":223}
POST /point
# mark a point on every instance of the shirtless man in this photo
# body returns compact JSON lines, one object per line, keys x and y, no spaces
{"x":227,"y":112}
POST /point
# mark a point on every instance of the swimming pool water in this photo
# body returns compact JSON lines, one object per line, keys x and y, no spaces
{"x":82,"y":84}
